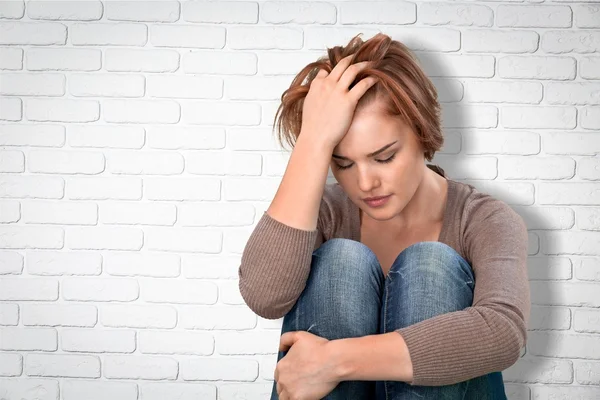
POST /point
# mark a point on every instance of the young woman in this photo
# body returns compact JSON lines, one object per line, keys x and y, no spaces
{"x":395,"y":282}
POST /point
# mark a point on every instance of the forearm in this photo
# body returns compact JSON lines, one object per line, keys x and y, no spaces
{"x":297,"y":200}
{"x":380,"y":357}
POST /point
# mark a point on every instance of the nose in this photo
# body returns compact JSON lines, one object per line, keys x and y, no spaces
{"x":367,"y":180}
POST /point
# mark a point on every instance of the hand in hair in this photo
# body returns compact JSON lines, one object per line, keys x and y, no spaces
{"x":329,"y":106}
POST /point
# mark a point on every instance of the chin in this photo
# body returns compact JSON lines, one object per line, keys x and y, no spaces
{"x":380,"y":214}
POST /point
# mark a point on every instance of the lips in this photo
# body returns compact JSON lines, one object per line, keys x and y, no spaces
{"x":375,"y":198}
{"x":378,"y":203}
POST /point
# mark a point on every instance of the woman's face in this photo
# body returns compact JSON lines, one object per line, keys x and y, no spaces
{"x":397,"y":170}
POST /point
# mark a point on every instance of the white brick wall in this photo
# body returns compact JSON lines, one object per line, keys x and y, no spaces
{"x":136,"y":156}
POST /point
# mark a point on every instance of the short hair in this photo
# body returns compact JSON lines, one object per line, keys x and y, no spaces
{"x":405,"y":89}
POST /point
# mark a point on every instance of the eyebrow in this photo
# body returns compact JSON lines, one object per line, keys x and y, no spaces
{"x":368,"y":155}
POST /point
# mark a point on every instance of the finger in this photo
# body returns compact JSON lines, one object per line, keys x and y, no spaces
{"x":287,"y":340}
{"x":322,"y":73}
{"x":350,"y":74}
{"x":340,"y":67}
{"x":361,"y":87}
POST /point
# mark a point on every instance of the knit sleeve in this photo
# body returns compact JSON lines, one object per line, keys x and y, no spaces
{"x":489,"y":335}
{"x":276,"y":260}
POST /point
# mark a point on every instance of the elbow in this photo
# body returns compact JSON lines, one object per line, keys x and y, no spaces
{"x":516,"y":343}
{"x":508,"y":333}
{"x":513,"y":356}
{"x":521,"y":338}
{"x":264,"y":310}
{"x":520,"y":344}
{"x":262,"y":306}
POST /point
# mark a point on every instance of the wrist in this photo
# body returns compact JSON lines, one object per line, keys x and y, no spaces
{"x":318,"y":140}
{"x":381,"y":357}
{"x":338,"y":354}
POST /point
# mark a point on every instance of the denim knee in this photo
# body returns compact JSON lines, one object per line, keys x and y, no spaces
{"x":432,"y":258}
{"x":425,"y":280}
{"x":345,"y":256}
{"x":346,"y":274}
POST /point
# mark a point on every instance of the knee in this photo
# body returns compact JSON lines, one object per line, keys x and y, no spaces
{"x":434,"y":273}
{"x":432,"y":249}
{"x":431,"y":257}
{"x":341,"y":255}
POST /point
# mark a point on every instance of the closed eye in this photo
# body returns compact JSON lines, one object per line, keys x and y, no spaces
{"x":379,"y":161}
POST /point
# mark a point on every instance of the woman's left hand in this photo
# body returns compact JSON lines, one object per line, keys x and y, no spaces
{"x":307,"y":371}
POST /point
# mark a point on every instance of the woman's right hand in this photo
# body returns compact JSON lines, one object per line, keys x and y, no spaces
{"x":329,"y":106}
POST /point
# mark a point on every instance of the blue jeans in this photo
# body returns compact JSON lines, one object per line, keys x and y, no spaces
{"x":347,"y":295}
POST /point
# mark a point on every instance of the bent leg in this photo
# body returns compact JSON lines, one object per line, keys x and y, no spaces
{"x":429,"y":279}
{"x":342,"y":299}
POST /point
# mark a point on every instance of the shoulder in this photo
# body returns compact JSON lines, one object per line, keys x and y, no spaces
{"x":329,"y":208}
{"x":334,"y":197}
{"x":480,"y":207}
{"x":490,"y":222}
{"x":336,"y":212}
{"x":334,"y":190}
